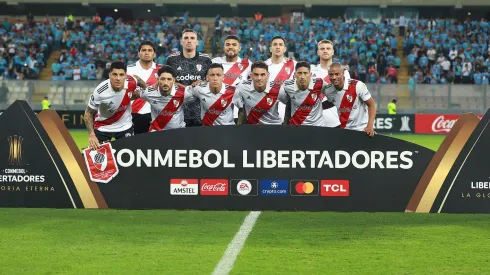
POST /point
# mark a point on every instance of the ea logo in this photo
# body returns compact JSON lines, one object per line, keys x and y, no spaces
{"x":244,"y":187}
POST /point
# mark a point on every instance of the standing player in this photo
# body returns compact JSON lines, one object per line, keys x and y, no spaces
{"x":108,"y":114}
{"x":190,"y":67}
{"x":356,"y":106}
{"x":166,"y":100}
{"x":215,"y":98}
{"x":236,"y":69}
{"x":147,"y":70}
{"x":280,"y":68}
{"x":258,"y":98}
{"x":326,"y":52}
{"x":304,"y":94}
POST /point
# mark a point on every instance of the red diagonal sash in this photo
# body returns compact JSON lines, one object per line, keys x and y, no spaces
{"x":218,"y":107}
{"x":235,"y":71}
{"x":285,"y":72}
{"x":168,"y":111}
{"x":347,"y":102}
{"x":139,"y":103}
{"x":125,"y":102}
{"x":264,"y":105}
{"x":308,"y":104}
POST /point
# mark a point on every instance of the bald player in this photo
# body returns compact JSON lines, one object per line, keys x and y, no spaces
{"x":357,"y":108}
{"x":258,"y":98}
{"x":280,"y":67}
{"x":304,"y":94}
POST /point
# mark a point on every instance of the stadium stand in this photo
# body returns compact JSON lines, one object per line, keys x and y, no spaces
{"x":60,"y":49}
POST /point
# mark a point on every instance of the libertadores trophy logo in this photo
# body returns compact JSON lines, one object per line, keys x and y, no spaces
{"x":15,"y":149}
{"x":101,"y":163}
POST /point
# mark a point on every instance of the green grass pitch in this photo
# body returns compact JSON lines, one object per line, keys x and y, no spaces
{"x":55,"y":241}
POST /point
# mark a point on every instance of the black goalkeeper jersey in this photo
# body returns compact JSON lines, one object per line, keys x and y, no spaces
{"x":189,"y":70}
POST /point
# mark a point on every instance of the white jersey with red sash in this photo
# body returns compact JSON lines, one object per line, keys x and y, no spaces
{"x":331,"y":115}
{"x":150,"y":76}
{"x":113,"y":108}
{"x":350,"y":101}
{"x":306,"y":105}
{"x":235,"y":72}
{"x":216,"y":109}
{"x":280,"y":73}
{"x":166,"y":111}
{"x":260,"y":107}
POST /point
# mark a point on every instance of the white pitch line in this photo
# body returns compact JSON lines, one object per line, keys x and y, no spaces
{"x":225,"y":265}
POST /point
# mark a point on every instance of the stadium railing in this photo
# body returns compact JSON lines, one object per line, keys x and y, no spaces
{"x":419,"y":98}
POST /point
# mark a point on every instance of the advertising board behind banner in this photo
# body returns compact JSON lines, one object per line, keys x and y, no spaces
{"x":435,"y":123}
{"x":384,"y":123}
{"x":72,"y":119}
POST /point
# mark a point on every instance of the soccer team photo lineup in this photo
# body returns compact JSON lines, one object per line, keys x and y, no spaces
{"x":188,"y":138}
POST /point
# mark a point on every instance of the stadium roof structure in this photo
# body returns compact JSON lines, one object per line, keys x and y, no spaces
{"x":307,"y":3}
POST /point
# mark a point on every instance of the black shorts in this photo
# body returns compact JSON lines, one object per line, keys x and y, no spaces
{"x":107,"y":136}
{"x":141,"y":123}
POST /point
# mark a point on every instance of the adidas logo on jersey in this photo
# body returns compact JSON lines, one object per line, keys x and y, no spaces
{"x":179,"y":68}
{"x":188,"y":77}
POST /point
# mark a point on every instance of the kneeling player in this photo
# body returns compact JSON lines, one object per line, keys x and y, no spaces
{"x":215,"y":98}
{"x":110,"y":103}
{"x":258,"y":98}
{"x":356,"y":106}
{"x":305,"y":96}
{"x":166,"y":100}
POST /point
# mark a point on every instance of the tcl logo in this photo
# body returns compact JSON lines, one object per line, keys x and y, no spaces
{"x":334,"y":188}
{"x":385,"y":123}
{"x":214,"y":187}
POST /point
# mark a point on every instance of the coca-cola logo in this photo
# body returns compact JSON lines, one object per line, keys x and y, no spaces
{"x":441,"y":124}
{"x":218,"y":187}
{"x":214,"y":187}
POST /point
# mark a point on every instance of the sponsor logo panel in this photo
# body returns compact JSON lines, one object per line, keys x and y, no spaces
{"x":184,"y":187}
{"x":303,"y":187}
{"x":213,"y":187}
{"x":274,"y":187}
{"x":335,"y":188}
{"x":244,"y":187}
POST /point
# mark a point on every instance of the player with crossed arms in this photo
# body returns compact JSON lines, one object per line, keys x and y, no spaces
{"x":236,"y":69}
{"x":215,"y":97}
{"x":258,"y":98}
{"x":357,"y":108}
{"x":108,"y":113}
{"x":166,"y":99}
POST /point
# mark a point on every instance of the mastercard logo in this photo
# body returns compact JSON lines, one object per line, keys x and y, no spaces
{"x":304,"y":188}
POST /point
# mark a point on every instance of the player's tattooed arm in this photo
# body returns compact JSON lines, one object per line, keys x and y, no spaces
{"x":89,"y":123}
{"x":241,"y":116}
{"x":140,"y":82}
{"x":136,"y":94}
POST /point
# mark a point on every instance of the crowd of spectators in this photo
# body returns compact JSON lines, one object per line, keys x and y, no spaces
{"x":24,"y":48}
{"x":437,"y":50}
{"x":446,"y":51}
